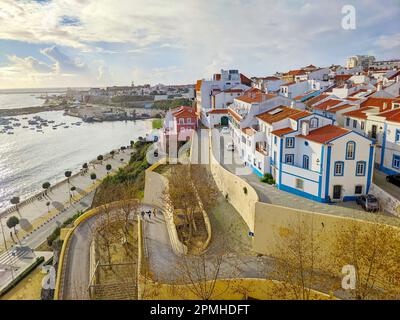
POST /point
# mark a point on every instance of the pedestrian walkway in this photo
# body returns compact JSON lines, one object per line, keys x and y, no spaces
{"x":40,"y":209}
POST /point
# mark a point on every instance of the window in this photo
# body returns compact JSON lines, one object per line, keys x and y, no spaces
{"x":275,"y":140}
{"x":181,"y":120}
{"x":360,"y":168}
{"x":274,"y":156}
{"x":259,"y":165}
{"x":362,"y":125}
{"x":347,"y":121}
{"x":290,"y":142}
{"x":354,"y":123}
{"x":306,"y":162}
{"x":289,"y":158}
{"x":397,"y":135}
{"x":396,"y":161}
{"x":339,"y":168}
{"x":299,"y":184}
{"x":314,"y":123}
{"x":189,"y":120}
{"x":350,"y":150}
{"x":358,"y":190}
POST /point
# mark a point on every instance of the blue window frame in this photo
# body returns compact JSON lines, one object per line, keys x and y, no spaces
{"x":397,"y":136}
{"x":338,"y":168}
{"x":350,"y":150}
{"x":274,"y":156}
{"x":275,"y":140}
{"x":360,"y":168}
{"x":306,"y":162}
{"x":396,"y":161}
{"x":289,"y":142}
{"x":289,"y":159}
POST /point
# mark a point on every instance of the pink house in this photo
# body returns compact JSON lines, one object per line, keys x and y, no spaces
{"x":180,"y":122}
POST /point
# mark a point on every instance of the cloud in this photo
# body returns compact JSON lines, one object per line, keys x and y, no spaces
{"x":389,"y":41}
{"x":63,"y":63}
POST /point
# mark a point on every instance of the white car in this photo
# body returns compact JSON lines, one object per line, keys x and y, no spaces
{"x":230,"y":147}
{"x":225,"y":130}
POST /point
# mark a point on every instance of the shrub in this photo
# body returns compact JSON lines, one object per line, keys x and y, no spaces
{"x":268,"y":178}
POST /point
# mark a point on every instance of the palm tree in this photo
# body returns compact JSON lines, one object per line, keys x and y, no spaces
{"x":73,"y":189}
{"x":15,"y":201}
{"x":12,"y":222}
{"x":93,"y":177}
{"x":46,"y":186}
{"x":68,"y":175}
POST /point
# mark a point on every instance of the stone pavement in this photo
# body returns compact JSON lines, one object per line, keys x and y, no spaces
{"x":35,"y":213}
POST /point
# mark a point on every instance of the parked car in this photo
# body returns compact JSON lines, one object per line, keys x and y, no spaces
{"x":394,"y":178}
{"x":225,"y":130}
{"x":230,"y":147}
{"x":368,"y":202}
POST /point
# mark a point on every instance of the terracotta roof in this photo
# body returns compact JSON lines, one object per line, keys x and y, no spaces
{"x":342,"y":107}
{"x":359,"y":114}
{"x":378,"y":102}
{"x":316,"y":99}
{"x":296,"y":72}
{"x":353,"y":99}
{"x":273,"y":78}
{"x":184,"y":112}
{"x":325,"y":134}
{"x":248,"y":131}
{"x":300,"y":115}
{"x":245,"y":80}
{"x":343,"y":77}
{"x":391,"y":115}
{"x":255,"y":95}
{"x":281,"y":132}
{"x":198,"y":85}
{"x":234,"y":114}
{"x":218,"y":111}
{"x":217,"y":76}
{"x":287,"y":112}
{"x":233,"y":90}
{"x":327,"y":104}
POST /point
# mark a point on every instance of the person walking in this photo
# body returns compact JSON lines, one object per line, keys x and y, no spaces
{"x":142,"y":213}
{"x":155,"y":213}
{"x":149,"y":213}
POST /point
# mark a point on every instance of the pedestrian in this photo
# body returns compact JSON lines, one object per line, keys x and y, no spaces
{"x":142,"y":213}
{"x":149,"y":213}
{"x":155,"y":213}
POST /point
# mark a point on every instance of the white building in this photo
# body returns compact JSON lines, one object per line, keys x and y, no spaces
{"x":360,"y":61}
{"x":306,"y":154}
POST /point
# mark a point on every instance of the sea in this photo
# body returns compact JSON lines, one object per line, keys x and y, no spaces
{"x":29,"y":157}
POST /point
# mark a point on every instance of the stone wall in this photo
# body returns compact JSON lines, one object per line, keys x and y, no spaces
{"x":387,"y":201}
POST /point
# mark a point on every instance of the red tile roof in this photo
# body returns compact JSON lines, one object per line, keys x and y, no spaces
{"x":325,"y":134}
{"x":184,"y":112}
{"x":218,"y":111}
{"x":378,"y":102}
{"x":391,"y":115}
{"x":287,"y":112}
{"x":327,"y":104}
{"x":248,"y":131}
{"x":255,"y":95}
{"x":282,"y":131}
{"x":316,"y":99}
{"x":342,"y":107}
{"x":343,"y":77}
{"x":245,"y":80}
{"x":359,"y":114}
{"x":296,"y":72}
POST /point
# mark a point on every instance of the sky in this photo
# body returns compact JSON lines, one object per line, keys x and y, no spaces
{"x":81,"y":43}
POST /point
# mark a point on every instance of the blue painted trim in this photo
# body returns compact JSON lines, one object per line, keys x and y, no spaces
{"x":397,"y":134}
{"x":320,"y":171}
{"x":289,"y":154}
{"x":292,"y":165}
{"x":354,"y":151}
{"x":388,"y":171}
{"x":381,"y":165}
{"x":297,"y":176}
{"x":370,"y":164}
{"x":349,"y":198}
{"x":365,"y":167}
{"x":257,"y":171}
{"x":334,"y":169}
{"x":301,"y":193}
{"x":328,"y":169}
{"x":352,"y":131}
{"x":286,"y":142}
{"x":396,"y":157}
{"x":306,"y":159}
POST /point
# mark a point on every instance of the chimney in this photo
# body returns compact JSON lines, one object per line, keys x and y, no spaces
{"x":292,"y":104}
{"x":305,"y":128}
{"x":379,"y":88}
{"x":397,"y":78}
{"x":384,"y":105}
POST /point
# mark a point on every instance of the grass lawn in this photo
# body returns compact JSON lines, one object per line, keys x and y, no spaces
{"x":29,"y":288}
{"x":157,"y":123}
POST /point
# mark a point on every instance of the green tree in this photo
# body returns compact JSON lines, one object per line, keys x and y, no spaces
{"x":15,"y":201}
{"x":46,"y":186}
{"x":108,"y":168}
{"x":93,"y":177}
{"x":12,"y":222}
{"x":100,"y":158}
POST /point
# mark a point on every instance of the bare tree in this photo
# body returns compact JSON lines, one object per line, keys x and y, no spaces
{"x":373,"y":249}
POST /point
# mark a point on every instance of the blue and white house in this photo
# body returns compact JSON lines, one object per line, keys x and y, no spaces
{"x":308,"y":155}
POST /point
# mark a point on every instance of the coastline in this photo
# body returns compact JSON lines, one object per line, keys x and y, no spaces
{"x":29,"y":110}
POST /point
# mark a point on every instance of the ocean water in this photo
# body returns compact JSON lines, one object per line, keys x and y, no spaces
{"x":28,"y":158}
{"x":20,"y":100}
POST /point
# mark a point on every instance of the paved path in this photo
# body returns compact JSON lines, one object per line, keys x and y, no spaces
{"x":35,"y":213}
{"x":270,"y":194}
{"x":380,"y":181}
